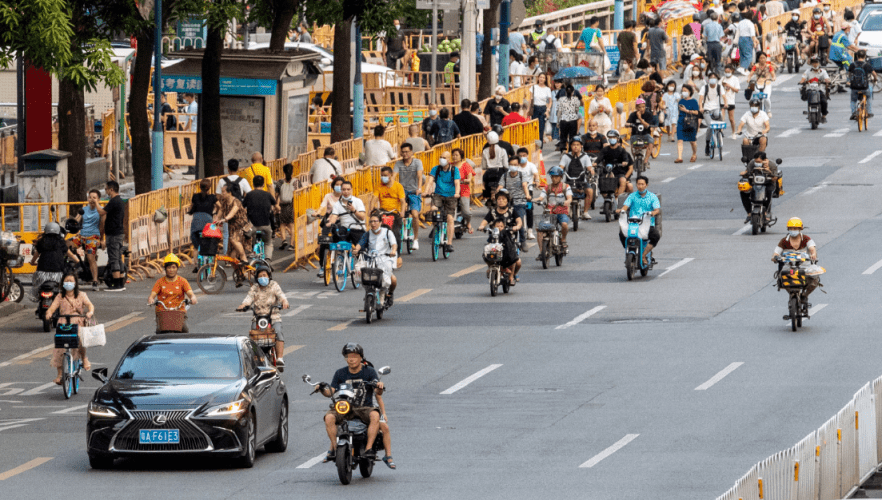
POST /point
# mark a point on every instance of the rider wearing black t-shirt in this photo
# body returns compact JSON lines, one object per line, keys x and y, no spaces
{"x":623,"y":164}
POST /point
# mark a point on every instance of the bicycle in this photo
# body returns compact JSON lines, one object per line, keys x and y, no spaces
{"x":211,"y":277}
{"x":339,"y":261}
{"x":375,"y":299}
{"x":716,"y":138}
{"x":258,"y":249}
{"x":860,"y":111}
{"x":438,"y":235}
{"x":67,"y":338}
{"x":171,"y":320}
{"x":407,"y":233}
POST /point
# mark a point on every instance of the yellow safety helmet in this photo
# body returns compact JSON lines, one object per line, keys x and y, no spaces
{"x":794,"y":223}
{"x":743,"y":185}
{"x":171,"y":259}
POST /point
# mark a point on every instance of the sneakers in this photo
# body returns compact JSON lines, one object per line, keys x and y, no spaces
{"x":530,"y":235}
{"x":734,"y":137}
{"x":706,"y":149}
{"x":415,"y":245}
{"x":118,"y":285}
{"x":280,"y":364}
{"x":283,"y":246}
{"x":94,"y":286}
{"x":389,"y":300}
{"x":448,"y":248}
{"x":824,"y":119}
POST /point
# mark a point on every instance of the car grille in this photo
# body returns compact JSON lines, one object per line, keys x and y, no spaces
{"x":191,"y":437}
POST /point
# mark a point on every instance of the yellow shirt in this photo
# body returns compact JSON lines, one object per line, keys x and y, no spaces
{"x":390,"y":197}
{"x":258,"y":169}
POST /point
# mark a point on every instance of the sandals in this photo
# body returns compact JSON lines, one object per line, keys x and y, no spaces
{"x":678,"y":160}
{"x":87,"y":366}
{"x":331,"y":456}
{"x":389,"y":463}
{"x":692,"y":160}
{"x":57,"y":381}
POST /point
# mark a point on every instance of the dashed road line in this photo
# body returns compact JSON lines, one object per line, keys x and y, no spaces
{"x":872,"y":269}
{"x":41,"y":389}
{"x":5,"y":425}
{"x":414,"y":295}
{"x":878,"y":134}
{"x":675,"y":266}
{"x":719,"y":376}
{"x":312,"y":461}
{"x":693,"y":167}
{"x":291,"y":348}
{"x":122,"y":324}
{"x":70,"y":410}
{"x":297,"y":310}
{"x":789,"y":132}
{"x":669,"y":179}
{"x":580,"y":318}
{"x":470,"y":379}
{"x":868,"y":159}
{"x":596,"y":459}
{"x":743,"y":230}
{"x":814,"y":310}
{"x":24,"y":467}
{"x":838,"y":132}
{"x":468,"y":270}
{"x":815,"y":189}
{"x":341,"y":326}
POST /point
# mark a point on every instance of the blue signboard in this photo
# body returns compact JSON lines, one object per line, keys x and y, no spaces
{"x":613,"y":54}
{"x":228,"y":86}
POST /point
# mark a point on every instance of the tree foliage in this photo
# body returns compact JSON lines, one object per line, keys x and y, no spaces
{"x":40,"y":29}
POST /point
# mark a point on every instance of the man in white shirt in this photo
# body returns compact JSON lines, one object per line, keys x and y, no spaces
{"x":855,"y":27}
{"x":381,"y":240}
{"x":531,"y":174}
{"x":349,"y":211}
{"x":325,"y":167}
{"x":549,"y":38}
{"x":711,"y":101}
{"x":377,"y":151}
{"x":192,"y":108}
{"x":755,"y":124}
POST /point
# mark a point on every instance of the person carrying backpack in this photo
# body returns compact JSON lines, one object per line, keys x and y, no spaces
{"x":444,"y":129}
{"x":285,"y":194}
{"x":549,"y":46}
{"x":861,"y":74}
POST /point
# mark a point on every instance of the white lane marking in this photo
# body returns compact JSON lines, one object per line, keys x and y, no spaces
{"x":838,"y":132}
{"x":815,"y":189}
{"x":675,"y":266}
{"x":312,"y":461}
{"x":327,"y":295}
{"x":467,"y":270}
{"x":669,"y":179}
{"x":742,"y":230}
{"x":580,"y":318}
{"x":781,"y":79}
{"x":878,"y":134}
{"x":789,"y":132}
{"x":869,"y":158}
{"x":38,"y":390}
{"x":71,"y":409}
{"x":693,"y":167}
{"x":872,"y":269}
{"x":814,"y":310}
{"x":719,"y":376}
{"x":118,"y":320}
{"x":596,"y":459}
{"x":20,"y":422}
{"x":471,"y":379}
{"x":297,"y":310}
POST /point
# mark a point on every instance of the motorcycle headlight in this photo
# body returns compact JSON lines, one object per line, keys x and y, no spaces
{"x":225,"y":410}
{"x":759,"y":179}
{"x":102,"y":411}
{"x":342,"y":407}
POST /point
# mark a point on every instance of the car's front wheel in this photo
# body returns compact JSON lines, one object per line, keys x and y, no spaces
{"x":280,"y":443}
{"x":246,"y":461}
{"x":100,"y":461}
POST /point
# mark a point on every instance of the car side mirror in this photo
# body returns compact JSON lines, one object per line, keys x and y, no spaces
{"x":779,"y":161}
{"x":384,"y":370}
{"x":266,"y":373}
{"x":100,"y":374}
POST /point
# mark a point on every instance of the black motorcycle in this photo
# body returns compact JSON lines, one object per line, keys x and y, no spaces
{"x":759,"y":180}
{"x":352,"y":433}
{"x":607,"y":185}
{"x":48,"y":291}
{"x":792,"y":52}
{"x":794,"y":279}
{"x":263,"y":334}
{"x":812,"y":96}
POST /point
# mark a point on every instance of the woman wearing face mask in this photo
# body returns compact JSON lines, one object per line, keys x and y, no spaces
{"x":731,"y":86}
{"x":262,"y":297}
{"x":762,"y":74}
{"x":324,"y":212}
{"x":626,"y":74}
{"x":696,"y":78}
{"x":555,"y":130}
{"x":687,"y":106}
{"x":569,"y":117}
{"x":71,"y":301}
{"x":671,"y":100}
{"x":601,"y":109}
{"x":230,"y":210}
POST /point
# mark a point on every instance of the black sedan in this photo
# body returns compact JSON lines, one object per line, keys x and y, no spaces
{"x":188,"y":394}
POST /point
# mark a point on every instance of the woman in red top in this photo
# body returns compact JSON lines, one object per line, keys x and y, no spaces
{"x":466,"y":174}
{"x":171,"y":290}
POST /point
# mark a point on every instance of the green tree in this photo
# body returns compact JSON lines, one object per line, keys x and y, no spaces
{"x":41,"y":30}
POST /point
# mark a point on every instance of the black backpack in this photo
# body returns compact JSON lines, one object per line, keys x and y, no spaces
{"x":859,"y":79}
{"x":234,"y":188}
{"x":550,"y":52}
{"x":575,"y":169}
{"x":445,"y":132}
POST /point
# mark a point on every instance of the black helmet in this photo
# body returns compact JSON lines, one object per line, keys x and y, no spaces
{"x":263,"y":267}
{"x":353,"y":347}
{"x":755,"y":101}
{"x":816,"y":10}
{"x":498,"y":129}
{"x":72,"y":226}
{"x":613,"y":133}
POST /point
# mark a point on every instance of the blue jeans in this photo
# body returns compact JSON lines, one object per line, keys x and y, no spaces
{"x":521,"y":211}
{"x":745,"y":52}
{"x":855,"y":98}
{"x":555,"y":131}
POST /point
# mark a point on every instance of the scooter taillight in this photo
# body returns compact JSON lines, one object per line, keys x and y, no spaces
{"x":45,"y":295}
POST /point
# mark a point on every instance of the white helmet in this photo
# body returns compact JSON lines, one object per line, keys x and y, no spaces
{"x":492,"y":138}
{"x":52,"y":228}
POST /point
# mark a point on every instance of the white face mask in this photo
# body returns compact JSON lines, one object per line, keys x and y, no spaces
{"x":397,"y":26}
{"x":795,"y":18}
{"x":728,"y":74}
{"x":432,"y":112}
{"x":612,"y":141}
{"x":385,"y":179}
{"x":696,"y":73}
{"x":703,"y":65}
{"x":826,"y":9}
{"x":817,"y":16}
{"x":687,"y":95}
{"x":712,"y":81}
{"x":671,"y":90}
{"x":793,"y":234}
{"x":754,"y":110}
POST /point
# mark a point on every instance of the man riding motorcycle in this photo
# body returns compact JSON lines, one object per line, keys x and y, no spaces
{"x":593,"y":141}
{"x":577,"y":165}
{"x":760,"y":161}
{"x":817,"y":28}
{"x":638,"y":204}
{"x":364,"y":409}
{"x":559,"y":196}
{"x":642,"y":117}
{"x":816,"y":73}
{"x":504,"y":218}
{"x":755,"y":125}
{"x":381,"y":240}
{"x":262,"y":296}
{"x":623,"y":164}
{"x":795,"y":240}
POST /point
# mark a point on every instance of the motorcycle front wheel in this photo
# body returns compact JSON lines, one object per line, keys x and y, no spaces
{"x":365,"y":466}
{"x":794,"y":312}
{"x":546,"y":248}
{"x":629,"y":266}
{"x":494,"y":282}
{"x":754,"y":224}
{"x":607,"y":210}
{"x":344,"y":464}
{"x":369,"y":303}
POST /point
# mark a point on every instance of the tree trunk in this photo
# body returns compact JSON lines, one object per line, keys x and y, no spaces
{"x":139,"y":124}
{"x":487,"y":84}
{"x":341,"y":122}
{"x":210,"y":128}
{"x":71,"y":136}
{"x":281,"y":24}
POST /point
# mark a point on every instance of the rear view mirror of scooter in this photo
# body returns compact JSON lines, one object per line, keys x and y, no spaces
{"x":384,"y":370}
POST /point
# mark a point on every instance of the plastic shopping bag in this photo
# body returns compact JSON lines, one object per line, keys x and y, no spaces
{"x":93,"y":336}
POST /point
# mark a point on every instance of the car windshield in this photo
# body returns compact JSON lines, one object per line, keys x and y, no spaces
{"x":873,"y":23}
{"x":152,"y":361}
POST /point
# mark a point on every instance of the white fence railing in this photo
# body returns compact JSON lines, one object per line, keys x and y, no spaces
{"x":576,"y":17}
{"x":828,"y":464}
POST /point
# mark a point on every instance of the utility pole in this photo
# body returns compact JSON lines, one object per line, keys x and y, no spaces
{"x":619,"y":15}
{"x":467,"y":69}
{"x":504,"y":22}
{"x":357,"y":88}
{"x":156,"y":177}
{"x":434,"y":47}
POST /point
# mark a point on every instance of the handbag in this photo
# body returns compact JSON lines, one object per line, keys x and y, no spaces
{"x":93,"y":335}
{"x":212,"y":231}
{"x":690,"y":123}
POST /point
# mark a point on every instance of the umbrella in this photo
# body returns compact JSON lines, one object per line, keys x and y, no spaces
{"x":574,"y":72}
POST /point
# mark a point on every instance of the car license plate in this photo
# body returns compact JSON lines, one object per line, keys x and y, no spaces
{"x":159,"y":436}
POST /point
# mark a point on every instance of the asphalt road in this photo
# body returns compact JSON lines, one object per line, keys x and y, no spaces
{"x":671,"y":386}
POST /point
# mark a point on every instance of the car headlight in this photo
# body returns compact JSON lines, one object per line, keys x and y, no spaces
{"x":102,"y":411}
{"x":342,"y":407}
{"x":234,"y":408}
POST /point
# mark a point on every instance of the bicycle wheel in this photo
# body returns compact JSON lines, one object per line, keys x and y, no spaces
{"x":329,"y":260}
{"x":339,"y":271}
{"x":444,"y":238}
{"x":546,"y":249}
{"x":574,"y":211}
{"x":861,"y":118}
{"x":436,"y":243}
{"x":354,"y":277}
{"x":78,"y":365}
{"x":656,"y":146}
{"x":211,"y":278}
{"x":719,"y":141}
{"x":66,"y":370}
